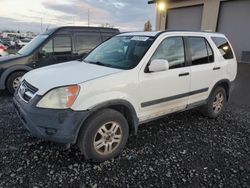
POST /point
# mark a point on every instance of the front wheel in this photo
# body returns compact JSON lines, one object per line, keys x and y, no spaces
{"x":13,"y":81}
{"x":104,"y":135}
{"x":216,"y":103}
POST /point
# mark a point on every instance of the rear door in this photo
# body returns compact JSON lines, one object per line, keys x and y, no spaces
{"x":62,"y":46}
{"x":204,"y":73}
{"x":86,"y":41}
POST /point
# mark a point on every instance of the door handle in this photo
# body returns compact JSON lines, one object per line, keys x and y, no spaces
{"x":216,"y":68}
{"x":184,"y":74}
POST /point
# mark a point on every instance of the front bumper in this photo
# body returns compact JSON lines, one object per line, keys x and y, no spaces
{"x":60,"y":126}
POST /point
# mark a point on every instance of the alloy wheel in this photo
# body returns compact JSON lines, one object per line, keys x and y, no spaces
{"x":108,"y":138}
{"x":218,"y":102}
{"x":16,"y":82}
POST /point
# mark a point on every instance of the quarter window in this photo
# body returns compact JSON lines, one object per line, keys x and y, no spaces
{"x":171,"y":49}
{"x":201,"y":52}
{"x":224,"y":47}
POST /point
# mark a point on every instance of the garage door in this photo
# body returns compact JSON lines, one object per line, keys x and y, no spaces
{"x":187,"y":18}
{"x":234,"y":22}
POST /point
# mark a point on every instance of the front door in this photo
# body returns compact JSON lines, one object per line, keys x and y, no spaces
{"x":56,"y":50}
{"x":166,"y":91}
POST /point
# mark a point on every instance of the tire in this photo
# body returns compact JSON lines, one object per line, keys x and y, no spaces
{"x":216,"y":103}
{"x":12,"y":81}
{"x":98,"y":148}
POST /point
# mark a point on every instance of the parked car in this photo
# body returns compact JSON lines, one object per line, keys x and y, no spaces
{"x":128,"y":80}
{"x":23,"y":42}
{"x":5,"y":41}
{"x":53,"y":46}
{"x":12,"y":43}
{"x":3,"y":50}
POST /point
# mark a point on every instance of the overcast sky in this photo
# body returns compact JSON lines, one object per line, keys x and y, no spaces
{"x":127,"y":15}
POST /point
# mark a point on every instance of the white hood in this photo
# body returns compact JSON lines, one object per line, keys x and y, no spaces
{"x":73,"y":72}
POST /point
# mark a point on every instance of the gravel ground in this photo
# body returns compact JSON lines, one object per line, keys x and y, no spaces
{"x":184,"y":149}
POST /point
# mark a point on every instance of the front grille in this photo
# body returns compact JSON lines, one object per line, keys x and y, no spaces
{"x":26,"y":91}
{"x":30,"y":87}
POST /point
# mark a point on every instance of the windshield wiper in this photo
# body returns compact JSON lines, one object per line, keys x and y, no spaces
{"x":99,"y":63}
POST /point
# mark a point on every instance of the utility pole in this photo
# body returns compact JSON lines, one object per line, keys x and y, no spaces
{"x":74,"y":20}
{"x":41,"y":24}
{"x":88,"y":16}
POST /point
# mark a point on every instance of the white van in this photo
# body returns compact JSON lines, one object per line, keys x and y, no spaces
{"x":128,"y":80}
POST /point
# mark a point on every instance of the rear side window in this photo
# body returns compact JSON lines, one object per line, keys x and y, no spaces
{"x":62,"y":45}
{"x":224,"y":47}
{"x":86,"y":42}
{"x":201,"y":52}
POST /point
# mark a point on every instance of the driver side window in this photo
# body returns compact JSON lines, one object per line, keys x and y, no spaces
{"x":57,"y":46}
{"x":172,"y":50}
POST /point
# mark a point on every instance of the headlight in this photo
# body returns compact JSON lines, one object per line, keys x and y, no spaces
{"x":60,"y":98}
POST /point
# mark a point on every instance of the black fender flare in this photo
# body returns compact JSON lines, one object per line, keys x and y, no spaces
{"x":134,"y":123}
{"x":221,"y":82}
{"x":10,"y":70}
{"x":120,"y":102}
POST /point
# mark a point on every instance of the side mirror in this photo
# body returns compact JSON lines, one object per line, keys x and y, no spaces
{"x":158,"y":65}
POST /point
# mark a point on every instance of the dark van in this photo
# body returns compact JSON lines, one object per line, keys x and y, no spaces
{"x":53,"y":46}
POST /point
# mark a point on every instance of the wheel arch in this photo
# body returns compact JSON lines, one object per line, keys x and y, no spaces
{"x":226,"y":84}
{"x":122,"y":106}
{"x":125,"y":108}
{"x":10,"y":71}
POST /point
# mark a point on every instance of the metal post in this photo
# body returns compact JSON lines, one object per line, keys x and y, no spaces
{"x":88,"y":17}
{"x":41,"y":24}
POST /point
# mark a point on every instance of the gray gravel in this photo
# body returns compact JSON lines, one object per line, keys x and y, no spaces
{"x":184,"y":149}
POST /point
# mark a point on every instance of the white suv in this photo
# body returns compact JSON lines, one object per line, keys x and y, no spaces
{"x":128,"y":80}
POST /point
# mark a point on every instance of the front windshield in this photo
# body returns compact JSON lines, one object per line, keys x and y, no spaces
{"x":122,"y":52}
{"x":27,"y":49}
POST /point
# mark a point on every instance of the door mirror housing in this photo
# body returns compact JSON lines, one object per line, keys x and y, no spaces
{"x":158,"y":65}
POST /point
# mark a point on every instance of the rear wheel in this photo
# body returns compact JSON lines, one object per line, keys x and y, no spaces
{"x":216,"y":103}
{"x":104,"y":135}
{"x":13,"y":81}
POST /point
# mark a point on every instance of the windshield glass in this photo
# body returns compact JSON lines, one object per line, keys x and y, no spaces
{"x":122,"y":52}
{"x":27,"y":49}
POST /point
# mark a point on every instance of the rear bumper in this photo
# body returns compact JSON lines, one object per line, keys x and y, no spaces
{"x":60,"y":126}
